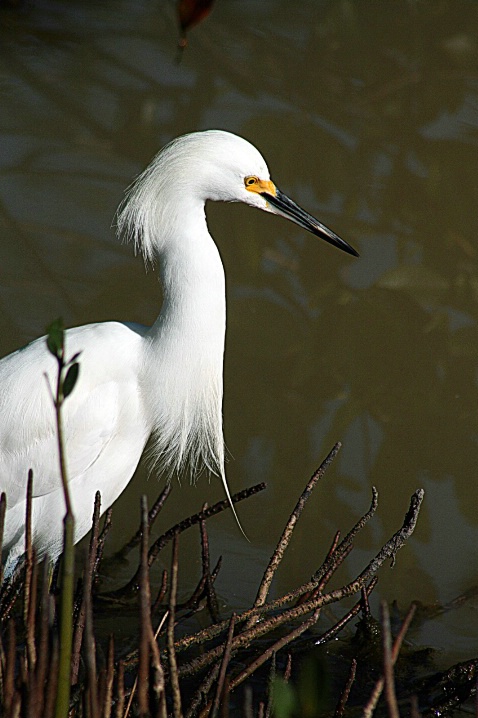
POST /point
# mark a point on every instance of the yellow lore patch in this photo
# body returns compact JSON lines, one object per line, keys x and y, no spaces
{"x":254,"y":184}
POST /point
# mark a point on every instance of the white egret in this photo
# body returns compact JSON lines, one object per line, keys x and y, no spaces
{"x":135,"y":382}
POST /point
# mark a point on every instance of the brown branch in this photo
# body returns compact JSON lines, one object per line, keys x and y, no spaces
{"x":28,"y":547}
{"x":337,"y":627}
{"x":158,"y":674}
{"x":277,"y":646}
{"x":203,"y":690}
{"x":161,"y":593}
{"x":378,"y":688}
{"x":108,"y":697}
{"x":101,"y":540}
{"x":132,"y":586}
{"x":224,"y":663}
{"x":119,"y":708}
{"x":44,"y":655}
{"x":388,"y":673}
{"x":339,"y":711}
{"x":289,"y":528}
{"x":242,"y":640}
{"x":211,"y":597}
{"x":3,"y":509}
{"x":145,"y":617}
{"x":31,"y":613}
{"x":217,"y":508}
{"x":173,"y":667}
{"x":52,"y":681}
{"x":9,"y":673}
{"x":414,"y":710}
{"x":333,"y":566}
{"x":346,"y":544}
{"x":90,"y":659}
{"x":88,"y":574}
{"x":288,"y":669}
{"x":152,"y":516}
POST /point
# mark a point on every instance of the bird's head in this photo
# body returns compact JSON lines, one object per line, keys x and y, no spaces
{"x":224,"y":167}
{"x":213,"y":165}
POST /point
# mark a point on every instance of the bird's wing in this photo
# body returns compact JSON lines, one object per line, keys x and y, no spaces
{"x":106,"y":389}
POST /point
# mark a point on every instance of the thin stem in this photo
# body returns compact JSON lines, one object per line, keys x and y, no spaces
{"x":59,"y":427}
{"x":62,"y":703}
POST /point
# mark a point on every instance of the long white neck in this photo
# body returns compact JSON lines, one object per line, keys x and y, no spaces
{"x":185,"y":350}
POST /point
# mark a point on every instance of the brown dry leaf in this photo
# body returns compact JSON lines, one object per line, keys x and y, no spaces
{"x":192,"y":12}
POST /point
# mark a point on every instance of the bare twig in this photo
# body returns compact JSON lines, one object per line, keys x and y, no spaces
{"x":201,"y":516}
{"x":132,"y":586}
{"x":211,"y":597}
{"x":224,"y":663}
{"x":173,"y":668}
{"x":387,"y":551}
{"x":456,"y":684}
{"x":161,"y":593}
{"x":414,"y":711}
{"x":378,"y":688}
{"x":9,"y":677}
{"x":388,"y":674}
{"x":36,"y":698}
{"x":266,"y":625}
{"x":3,"y":509}
{"x":288,"y":669}
{"x":52,"y":682}
{"x":87,"y":590}
{"x":158,"y":686}
{"x":289,"y":528}
{"x":90,"y":656}
{"x":270,"y":685}
{"x":332,"y":632}
{"x":120,"y":691}
{"x":339,"y":711}
{"x":102,"y":538}
{"x":108,"y":698}
{"x":152,"y":515}
{"x":284,"y":641}
{"x":31,"y":613}
{"x":145,"y":607}
{"x":333,"y":564}
{"x":345,"y":545}
{"x":158,"y":674}
{"x":56,"y":345}
{"x":28,"y":547}
{"x":202,"y":691}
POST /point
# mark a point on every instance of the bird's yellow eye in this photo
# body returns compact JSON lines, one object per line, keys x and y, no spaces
{"x":260,"y":186}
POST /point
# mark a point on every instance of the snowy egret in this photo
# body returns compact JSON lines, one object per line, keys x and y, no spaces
{"x":163,"y":382}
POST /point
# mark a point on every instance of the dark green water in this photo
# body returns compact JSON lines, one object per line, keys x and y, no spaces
{"x":367,"y":114}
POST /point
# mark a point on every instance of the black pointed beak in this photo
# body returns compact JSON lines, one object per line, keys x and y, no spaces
{"x":290,"y":210}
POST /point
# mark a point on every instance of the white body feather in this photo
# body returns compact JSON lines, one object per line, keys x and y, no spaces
{"x":134,"y":382}
{"x":105,"y":428}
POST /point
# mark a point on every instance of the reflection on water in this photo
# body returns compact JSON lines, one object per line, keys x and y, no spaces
{"x":368,"y":117}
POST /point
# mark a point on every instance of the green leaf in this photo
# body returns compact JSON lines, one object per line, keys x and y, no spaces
{"x":73,"y":358}
{"x":70,"y":379}
{"x":284,"y":700}
{"x":55,"y":339}
{"x":313,"y":686}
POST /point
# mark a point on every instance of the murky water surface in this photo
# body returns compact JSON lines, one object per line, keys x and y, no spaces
{"x":368,"y":116}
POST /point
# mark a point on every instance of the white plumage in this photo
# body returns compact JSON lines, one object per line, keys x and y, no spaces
{"x":134,"y":382}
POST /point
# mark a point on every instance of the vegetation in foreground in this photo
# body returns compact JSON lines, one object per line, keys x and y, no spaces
{"x":271,"y":659}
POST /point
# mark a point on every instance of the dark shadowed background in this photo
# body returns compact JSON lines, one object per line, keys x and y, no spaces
{"x":367,"y":114}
